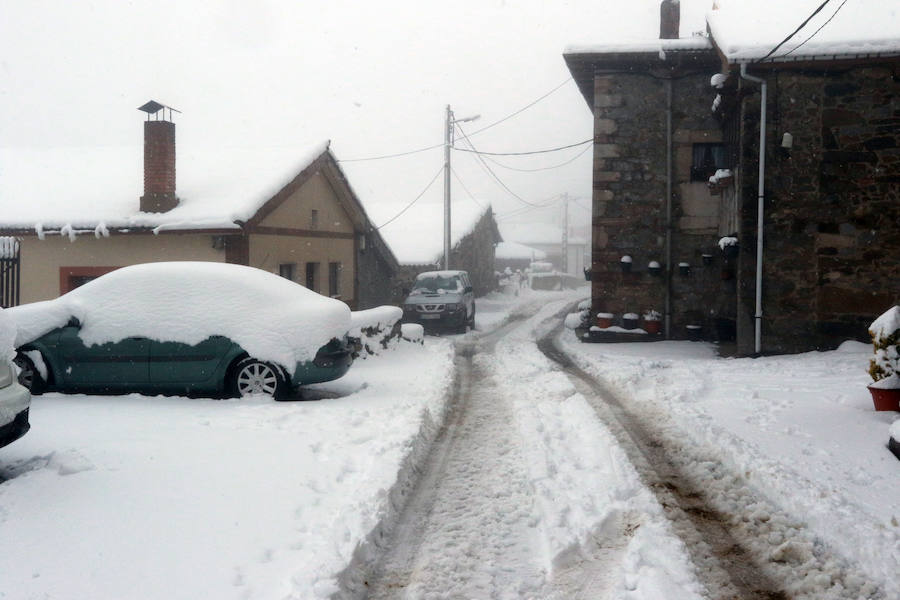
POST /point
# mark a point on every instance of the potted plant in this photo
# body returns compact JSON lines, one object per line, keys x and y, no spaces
{"x":652,"y":321}
{"x":625,"y":263}
{"x":707,"y":259}
{"x":604,"y":320}
{"x":729,"y":246}
{"x":654,"y":268}
{"x":684,"y":269}
{"x":694,"y":332}
{"x":630,"y":320}
{"x":884,"y":367}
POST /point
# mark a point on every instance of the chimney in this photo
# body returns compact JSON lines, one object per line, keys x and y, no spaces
{"x":669,"y":18}
{"x":159,"y":159}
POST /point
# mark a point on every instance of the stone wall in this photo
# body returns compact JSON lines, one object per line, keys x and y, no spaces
{"x":832,"y":226}
{"x":629,"y":217}
{"x":377,"y":279}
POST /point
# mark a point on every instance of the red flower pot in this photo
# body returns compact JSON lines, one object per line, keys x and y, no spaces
{"x":604,"y":320}
{"x":652,"y":327}
{"x":885,"y":398}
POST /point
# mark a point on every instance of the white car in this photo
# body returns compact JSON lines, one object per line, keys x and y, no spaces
{"x":14,"y":399}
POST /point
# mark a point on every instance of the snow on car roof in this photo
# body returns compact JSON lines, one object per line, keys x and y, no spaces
{"x":270,"y":317}
{"x":445,"y":274}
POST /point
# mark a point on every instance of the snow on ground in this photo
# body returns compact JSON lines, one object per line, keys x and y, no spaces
{"x":156,"y":497}
{"x":799,"y":429}
{"x":587,"y":493}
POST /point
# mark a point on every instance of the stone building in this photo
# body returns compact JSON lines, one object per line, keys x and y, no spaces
{"x":75,"y":215}
{"x":671,"y":113}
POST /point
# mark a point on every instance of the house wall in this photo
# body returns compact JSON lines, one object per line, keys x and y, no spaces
{"x":832,"y":237}
{"x":41,"y":260}
{"x":288,"y":235}
{"x":629,"y":207}
{"x":377,"y":279}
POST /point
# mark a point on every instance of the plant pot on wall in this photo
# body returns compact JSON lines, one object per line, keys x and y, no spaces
{"x":605,"y":320}
{"x":684,"y":269}
{"x":707,"y":259}
{"x":625,"y":264}
{"x":630,"y":320}
{"x":694,"y":332}
{"x":652,"y":322}
{"x":654,"y":268}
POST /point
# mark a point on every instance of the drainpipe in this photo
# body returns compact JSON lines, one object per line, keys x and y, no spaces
{"x":759,"y":204}
{"x":668,"y":323}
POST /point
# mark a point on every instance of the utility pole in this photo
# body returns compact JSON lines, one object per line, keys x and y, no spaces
{"x":565,"y":234}
{"x":448,"y":133}
{"x":448,"y":142}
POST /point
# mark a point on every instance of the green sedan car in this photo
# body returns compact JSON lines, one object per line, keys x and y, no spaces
{"x":196,"y":329}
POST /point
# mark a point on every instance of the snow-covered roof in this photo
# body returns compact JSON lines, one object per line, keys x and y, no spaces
{"x":642,"y":46}
{"x":747,"y":30}
{"x":537,"y":233}
{"x":420,"y":240}
{"x":514,"y":250}
{"x":88,"y":186}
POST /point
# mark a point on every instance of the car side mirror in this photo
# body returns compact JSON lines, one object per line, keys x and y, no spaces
{"x":468,"y":289}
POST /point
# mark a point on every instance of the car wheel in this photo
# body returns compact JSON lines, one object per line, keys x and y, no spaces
{"x":472,"y":319}
{"x":252,"y":376}
{"x":29,"y":376}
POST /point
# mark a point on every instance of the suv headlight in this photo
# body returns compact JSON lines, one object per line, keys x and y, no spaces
{"x":6,"y":374}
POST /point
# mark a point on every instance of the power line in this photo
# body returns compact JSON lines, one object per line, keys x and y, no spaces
{"x":416,"y":199}
{"x":802,"y":25}
{"x":471,"y":197}
{"x":557,"y":149}
{"x":506,"y":118}
{"x":500,"y":164}
{"x":527,"y":209}
{"x":491,"y":171}
{"x":817,"y":30}
{"x":521,"y":110}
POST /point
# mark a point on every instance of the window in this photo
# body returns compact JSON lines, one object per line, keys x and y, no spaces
{"x":287,"y":270}
{"x":334,"y":279}
{"x":707,"y":159}
{"x":73,"y":277}
{"x":314,"y":219}
{"x":312,"y":276}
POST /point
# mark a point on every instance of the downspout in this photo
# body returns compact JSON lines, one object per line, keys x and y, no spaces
{"x":759,"y":204}
{"x":668,"y":323}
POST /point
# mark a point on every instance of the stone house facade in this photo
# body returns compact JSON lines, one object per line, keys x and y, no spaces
{"x":831,"y":229}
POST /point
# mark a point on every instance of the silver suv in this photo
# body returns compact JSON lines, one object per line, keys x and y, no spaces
{"x":441,"y":299}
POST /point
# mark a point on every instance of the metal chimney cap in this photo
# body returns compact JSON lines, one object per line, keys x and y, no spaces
{"x":152,"y":107}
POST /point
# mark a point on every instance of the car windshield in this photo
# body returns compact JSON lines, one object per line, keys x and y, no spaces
{"x":438,"y":283}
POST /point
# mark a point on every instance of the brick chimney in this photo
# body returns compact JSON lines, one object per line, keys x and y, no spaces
{"x":669,"y":19}
{"x":159,"y":160}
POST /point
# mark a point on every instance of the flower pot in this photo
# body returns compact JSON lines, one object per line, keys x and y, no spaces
{"x":654,"y":268}
{"x":652,"y":327}
{"x":604,"y":320}
{"x":707,"y":259}
{"x":587,"y":274}
{"x":694,"y":332}
{"x":885,"y":398}
{"x":630,"y":321}
{"x":684,"y":269}
{"x":731,"y":252}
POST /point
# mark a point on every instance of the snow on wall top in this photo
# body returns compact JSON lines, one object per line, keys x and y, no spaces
{"x":87,"y":187}
{"x":270,"y":317}
{"x":746,"y":30}
{"x":514,"y":250}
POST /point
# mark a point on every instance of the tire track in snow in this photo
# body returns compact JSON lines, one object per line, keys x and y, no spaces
{"x":731,"y":560}
{"x":468,"y":530}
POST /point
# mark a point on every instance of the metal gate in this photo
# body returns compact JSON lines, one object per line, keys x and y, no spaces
{"x":9,"y":272}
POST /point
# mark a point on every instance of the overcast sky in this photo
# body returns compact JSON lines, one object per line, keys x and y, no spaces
{"x":373,"y":77}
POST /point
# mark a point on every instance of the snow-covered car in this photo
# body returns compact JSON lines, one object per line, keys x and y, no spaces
{"x":191,"y":328}
{"x":442,"y":299}
{"x":15,"y":399}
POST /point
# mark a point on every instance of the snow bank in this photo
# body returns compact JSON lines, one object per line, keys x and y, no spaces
{"x":270,"y":317}
{"x":373,"y":329}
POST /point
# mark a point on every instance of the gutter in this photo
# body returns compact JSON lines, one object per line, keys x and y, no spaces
{"x":759,"y":206}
